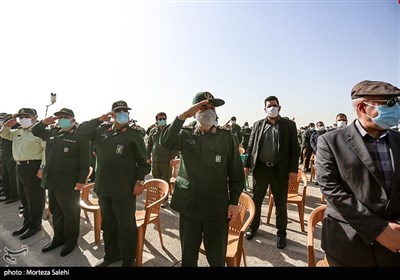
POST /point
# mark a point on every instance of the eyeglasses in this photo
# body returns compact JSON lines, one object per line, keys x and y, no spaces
{"x":162,"y":119}
{"x":390,"y":102}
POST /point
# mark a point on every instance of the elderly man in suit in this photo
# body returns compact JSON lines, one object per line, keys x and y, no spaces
{"x":274,"y":159}
{"x":358,"y":170}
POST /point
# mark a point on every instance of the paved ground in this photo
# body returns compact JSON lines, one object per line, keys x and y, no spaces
{"x":261,"y":251}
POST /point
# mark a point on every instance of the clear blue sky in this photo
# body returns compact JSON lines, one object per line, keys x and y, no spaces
{"x":157,"y":55}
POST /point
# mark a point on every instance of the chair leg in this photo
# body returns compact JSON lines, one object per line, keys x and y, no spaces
{"x":86,"y":215}
{"x":244,"y":258}
{"x":159,"y":231}
{"x":140,"y":246}
{"x":301,"y":216}
{"x":270,"y":206}
{"x":97,"y":227}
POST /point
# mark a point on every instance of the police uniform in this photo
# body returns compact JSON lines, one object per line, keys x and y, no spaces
{"x":121,"y":161}
{"x":67,"y":163}
{"x":28,"y":152}
{"x":210,"y":178}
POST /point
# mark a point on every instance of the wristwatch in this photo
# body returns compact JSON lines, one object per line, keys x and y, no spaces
{"x":140,"y":182}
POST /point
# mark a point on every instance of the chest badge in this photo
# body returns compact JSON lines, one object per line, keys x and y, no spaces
{"x":218,"y":158}
{"x":119,"y":149}
{"x":66,"y":149}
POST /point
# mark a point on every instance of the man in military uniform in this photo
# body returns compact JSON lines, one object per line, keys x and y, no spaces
{"x":246,"y":131}
{"x":28,"y":152}
{"x":121,"y":168}
{"x":236,"y":130}
{"x":9,"y":176}
{"x":209,"y":182}
{"x":158,"y":156}
{"x":65,"y":172}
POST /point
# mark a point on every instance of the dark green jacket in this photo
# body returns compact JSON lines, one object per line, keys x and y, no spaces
{"x":67,"y":158}
{"x":121,"y":157}
{"x":210,"y":174}
{"x":155,"y":151}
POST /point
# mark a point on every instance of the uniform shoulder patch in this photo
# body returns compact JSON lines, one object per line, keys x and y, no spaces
{"x":224,"y":128}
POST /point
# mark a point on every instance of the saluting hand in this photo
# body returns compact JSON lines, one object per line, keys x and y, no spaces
{"x":10,"y":122}
{"x":49,"y":120}
{"x":105,"y":117}
{"x":192,"y":110}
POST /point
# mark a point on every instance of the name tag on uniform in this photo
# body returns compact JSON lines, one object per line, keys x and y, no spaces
{"x":66,"y":149}
{"x":120,"y":149}
{"x":190,"y":141}
{"x":218,"y":158}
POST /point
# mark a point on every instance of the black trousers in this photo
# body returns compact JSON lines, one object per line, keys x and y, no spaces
{"x":31,"y":193}
{"x":214,"y":234}
{"x":262,"y":177}
{"x":119,"y":228}
{"x":9,"y":179}
{"x":64,"y":205}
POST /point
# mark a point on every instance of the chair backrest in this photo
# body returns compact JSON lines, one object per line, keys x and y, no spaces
{"x":156,"y":192}
{"x":246,"y":205}
{"x":316,"y":216}
{"x":294,"y":186}
{"x":85,"y":202}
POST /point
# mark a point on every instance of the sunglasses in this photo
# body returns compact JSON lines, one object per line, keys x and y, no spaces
{"x":162,"y":119}
{"x":120,"y":110}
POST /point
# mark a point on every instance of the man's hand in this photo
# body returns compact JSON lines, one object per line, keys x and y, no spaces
{"x":192,"y":110}
{"x":49,"y":120}
{"x":106,"y":117}
{"x":10,"y":122}
{"x":138,"y":189}
{"x":246,"y":171}
{"x":39,"y":174}
{"x":390,"y":237}
{"x":233,"y":212}
{"x":79,"y":186}
{"x":292,"y":177}
{"x":148,"y":161}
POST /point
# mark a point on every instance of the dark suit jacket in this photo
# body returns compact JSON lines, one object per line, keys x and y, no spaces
{"x":288,"y":154}
{"x":358,"y":206}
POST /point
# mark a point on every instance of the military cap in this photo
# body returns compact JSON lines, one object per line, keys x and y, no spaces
{"x":65,"y":111}
{"x":26,"y":112}
{"x":374,"y":88}
{"x":119,"y":105}
{"x":205,"y":95}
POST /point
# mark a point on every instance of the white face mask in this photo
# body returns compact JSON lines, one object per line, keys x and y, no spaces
{"x":25,"y":122}
{"x":272,"y":112}
{"x":341,"y":124}
{"x":206,"y":117}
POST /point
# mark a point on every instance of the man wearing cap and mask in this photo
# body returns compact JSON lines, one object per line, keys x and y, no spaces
{"x":28,"y":152}
{"x":64,"y":174}
{"x":358,"y":171}
{"x":274,"y":159}
{"x":209,"y":182}
{"x":9,"y":176}
{"x":121,"y":168}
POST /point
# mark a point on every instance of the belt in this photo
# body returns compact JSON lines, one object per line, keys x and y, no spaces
{"x":22,"y":162}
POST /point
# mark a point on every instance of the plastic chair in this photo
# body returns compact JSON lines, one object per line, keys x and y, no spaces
{"x":237,"y":230}
{"x":156,"y":192}
{"x":91,"y":205}
{"x":293,"y":197}
{"x":316,"y":216}
{"x":175,"y":168}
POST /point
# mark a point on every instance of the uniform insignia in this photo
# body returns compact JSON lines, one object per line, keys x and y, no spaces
{"x":66,"y":149}
{"x":119,"y":149}
{"x":208,"y":95}
{"x":218,"y":158}
{"x":190,"y":141}
{"x":51,"y":137}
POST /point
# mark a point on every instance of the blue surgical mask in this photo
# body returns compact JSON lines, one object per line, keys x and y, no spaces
{"x":64,"y":123}
{"x":387,"y":116}
{"x":162,"y":122}
{"x":122,"y":117}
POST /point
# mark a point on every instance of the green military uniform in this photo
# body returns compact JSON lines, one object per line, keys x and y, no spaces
{"x":210,"y":177}
{"x":121,"y":161}
{"x":160,"y":157}
{"x":67,"y":163}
